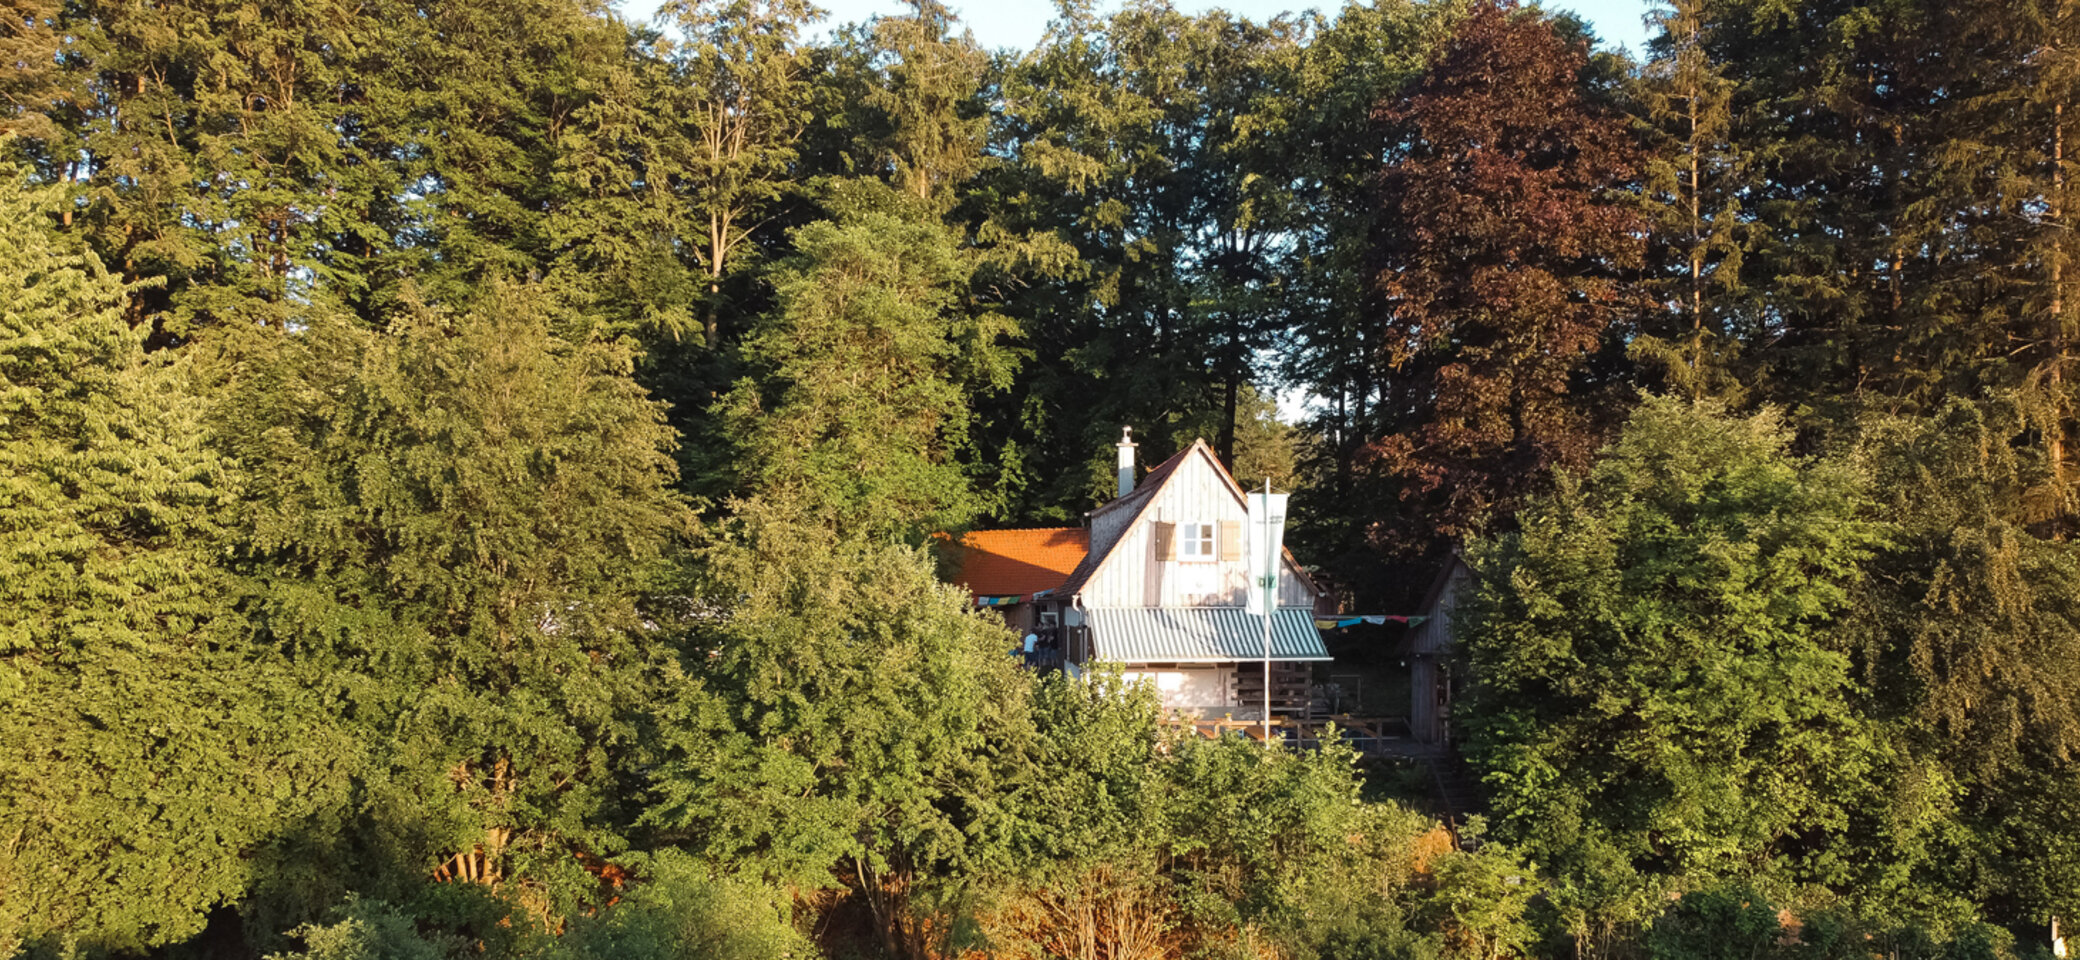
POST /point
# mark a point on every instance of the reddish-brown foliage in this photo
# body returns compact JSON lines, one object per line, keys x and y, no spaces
{"x":1430,"y":846}
{"x":1506,"y":252}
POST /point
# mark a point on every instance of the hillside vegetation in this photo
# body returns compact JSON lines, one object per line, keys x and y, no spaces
{"x":468,"y":474}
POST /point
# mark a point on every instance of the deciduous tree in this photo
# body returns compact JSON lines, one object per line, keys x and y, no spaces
{"x":1507,"y":255}
{"x":146,"y":749}
{"x":1660,"y":696}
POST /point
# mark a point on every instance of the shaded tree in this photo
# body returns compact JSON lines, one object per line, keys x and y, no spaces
{"x":1968,"y":636}
{"x":1134,"y":141}
{"x":257,"y":159}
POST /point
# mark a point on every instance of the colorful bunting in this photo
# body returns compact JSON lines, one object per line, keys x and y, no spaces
{"x":1372,"y":618}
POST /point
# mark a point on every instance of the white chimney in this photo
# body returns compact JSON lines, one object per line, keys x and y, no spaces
{"x":1126,"y":461}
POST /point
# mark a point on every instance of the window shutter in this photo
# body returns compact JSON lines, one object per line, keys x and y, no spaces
{"x":1231,"y":540}
{"x":1165,"y":535}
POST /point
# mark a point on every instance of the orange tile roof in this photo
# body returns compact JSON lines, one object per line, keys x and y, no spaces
{"x":999,"y":563}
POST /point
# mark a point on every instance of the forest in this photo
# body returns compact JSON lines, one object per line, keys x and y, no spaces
{"x":470,"y":472}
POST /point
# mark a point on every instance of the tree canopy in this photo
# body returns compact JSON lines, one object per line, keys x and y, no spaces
{"x":470,"y":475}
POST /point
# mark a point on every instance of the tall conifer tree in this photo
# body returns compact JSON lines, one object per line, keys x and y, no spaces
{"x":859,"y":403}
{"x":929,"y":94}
{"x":1691,"y":185}
{"x":448,"y":526}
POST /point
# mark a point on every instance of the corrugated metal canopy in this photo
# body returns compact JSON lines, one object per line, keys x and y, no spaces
{"x":1202,"y":635}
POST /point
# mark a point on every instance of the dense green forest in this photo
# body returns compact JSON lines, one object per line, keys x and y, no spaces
{"x":468,"y":474}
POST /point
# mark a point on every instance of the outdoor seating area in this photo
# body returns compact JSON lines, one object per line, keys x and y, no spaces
{"x":1371,"y":736}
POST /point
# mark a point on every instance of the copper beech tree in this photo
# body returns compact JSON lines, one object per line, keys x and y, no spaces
{"x":1506,"y":254}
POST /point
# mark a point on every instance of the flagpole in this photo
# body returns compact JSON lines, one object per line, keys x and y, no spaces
{"x":1270,"y":559}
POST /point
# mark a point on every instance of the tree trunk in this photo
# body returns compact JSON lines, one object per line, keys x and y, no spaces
{"x":2056,"y":380}
{"x":1224,"y":446}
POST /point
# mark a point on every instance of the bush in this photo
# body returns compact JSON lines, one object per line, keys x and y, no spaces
{"x":369,"y":930}
{"x":684,"y":909}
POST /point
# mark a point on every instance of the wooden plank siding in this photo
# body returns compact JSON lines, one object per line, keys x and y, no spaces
{"x":1136,"y":577}
{"x":1429,"y":657}
{"x":1110,"y":521}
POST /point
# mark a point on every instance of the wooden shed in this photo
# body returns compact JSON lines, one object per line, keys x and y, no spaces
{"x":1430,"y":680}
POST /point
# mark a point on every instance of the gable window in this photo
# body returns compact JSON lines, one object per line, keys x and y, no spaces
{"x":1195,"y":541}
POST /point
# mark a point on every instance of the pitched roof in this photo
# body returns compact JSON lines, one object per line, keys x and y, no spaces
{"x":1202,"y":635}
{"x":1143,"y":494}
{"x":1454,"y":563}
{"x":1138,"y":499}
{"x":1157,"y":475}
{"x":999,"y":563}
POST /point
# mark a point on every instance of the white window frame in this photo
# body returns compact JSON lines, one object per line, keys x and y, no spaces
{"x":1198,"y":542}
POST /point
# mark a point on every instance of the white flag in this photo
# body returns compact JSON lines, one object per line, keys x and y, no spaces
{"x":1267,"y":532}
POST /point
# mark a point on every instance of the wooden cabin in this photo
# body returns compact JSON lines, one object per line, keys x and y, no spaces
{"x":1430,"y":681}
{"x":1161,"y":593}
{"x":1154,"y":583}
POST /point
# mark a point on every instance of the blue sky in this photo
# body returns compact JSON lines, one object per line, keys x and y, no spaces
{"x":1018,"y":23}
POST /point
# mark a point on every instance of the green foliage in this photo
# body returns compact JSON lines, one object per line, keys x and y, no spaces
{"x":1266,"y":448}
{"x":1098,"y":741}
{"x":316,"y":150}
{"x":1659,"y":688}
{"x":934,"y":123}
{"x":1277,"y":843}
{"x":682,"y":908}
{"x":732,"y":100}
{"x":1477,"y":900}
{"x":336,"y":570}
{"x":140,"y":759}
{"x":369,"y":930}
{"x":1741,"y":923}
{"x":1721,"y":924}
{"x":1130,"y":836}
{"x":447,"y":527}
{"x":1149,"y":143}
{"x":108,"y":496}
{"x":1970,"y":636}
{"x":1692,"y":184}
{"x":861,"y":702}
{"x":864,"y":369}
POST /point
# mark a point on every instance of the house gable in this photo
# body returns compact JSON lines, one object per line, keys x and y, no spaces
{"x":1126,"y":565}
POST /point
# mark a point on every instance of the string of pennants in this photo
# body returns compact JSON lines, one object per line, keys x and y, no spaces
{"x":1335,"y":623}
{"x":1340,"y":622}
